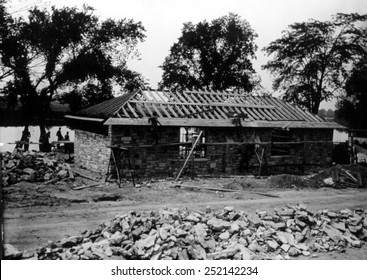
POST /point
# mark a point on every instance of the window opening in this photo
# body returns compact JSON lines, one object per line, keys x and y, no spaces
{"x":188,"y":136}
{"x":280,"y":135}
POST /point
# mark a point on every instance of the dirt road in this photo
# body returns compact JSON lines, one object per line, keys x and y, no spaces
{"x":30,"y":227}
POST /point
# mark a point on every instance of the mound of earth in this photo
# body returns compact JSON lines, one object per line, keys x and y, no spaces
{"x":288,"y":181}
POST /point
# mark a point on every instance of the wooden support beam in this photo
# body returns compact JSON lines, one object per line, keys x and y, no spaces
{"x":221,"y":123}
{"x":157,"y":111}
{"x":165,"y":111}
{"x":140,"y":109}
{"x":219,"y":104}
{"x":132,"y":110}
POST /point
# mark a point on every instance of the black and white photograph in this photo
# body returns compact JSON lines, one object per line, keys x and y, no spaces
{"x":183,"y":130}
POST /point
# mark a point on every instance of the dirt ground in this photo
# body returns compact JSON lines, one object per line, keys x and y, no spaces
{"x":37,"y":213}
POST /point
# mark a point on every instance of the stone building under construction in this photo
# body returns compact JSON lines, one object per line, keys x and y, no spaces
{"x":214,"y":132}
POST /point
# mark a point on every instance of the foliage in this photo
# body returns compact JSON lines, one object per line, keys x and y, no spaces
{"x":213,"y":55}
{"x":326,"y":114}
{"x":56,"y":51}
{"x":352,"y":108}
{"x":312,"y":59}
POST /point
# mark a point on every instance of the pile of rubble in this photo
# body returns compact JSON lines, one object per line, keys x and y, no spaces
{"x":224,"y":234}
{"x":342,"y":176}
{"x":33,"y":167}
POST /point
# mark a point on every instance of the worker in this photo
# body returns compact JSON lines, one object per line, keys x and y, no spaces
{"x":46,"y":142}
{"x":67,"y":145}
{"x":154,"y":122}
{"x":59,"y":136}
{"x":26,"y":135}
{"x":238,"y":124}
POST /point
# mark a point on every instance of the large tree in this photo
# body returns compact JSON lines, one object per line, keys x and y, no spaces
{"x":352,"y":107}
{"x":60,"y":50}
{"x":311,"y":60}
{"x":215,"y":55}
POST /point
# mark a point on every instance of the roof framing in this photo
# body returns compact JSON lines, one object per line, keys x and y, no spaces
{"x":203,"y":108}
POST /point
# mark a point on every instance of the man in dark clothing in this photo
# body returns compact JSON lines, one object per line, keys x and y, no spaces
{"x":25,"y":138}
{"x":59,"y":136}
{"x":153,"y":121}
{"x":67,"y":145}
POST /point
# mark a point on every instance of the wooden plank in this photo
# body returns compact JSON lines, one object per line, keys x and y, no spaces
{"x":278,"y":113}
{"x":139,"y":108}
{"x":148,"y":109}
{"x":87,"y":186}
{"x":185,"y":109}
{"x":146,"y":96}
{"x":197,"y":99}
{"x":202,"y":187}
{"x":285,"y":110}
{"x":195,"y":112}
{"x":169,"y":108}
{"x":251,"y":116}
{"x":217,"y":109}
{"x":217,"y":116}
{"x":256,"y":113}
{"x":306,"y":116}
{"x":82,"y":174}
{"x":154,"y":94}
{"x":179,"y":110}
{"x":266,"y":194}
{"x":125,"y":112}
{"x":350,"y":176}
{"x":174,"y":97}
{"x":220,"y":111}
{"x":184,"y":100}
{"x":209,"y":112}
{"x":132,"y":110}
{"x":291,"y":110}
{"x":187,"y":97}
{"x":165,"y":111}
{"x":157,"y":111}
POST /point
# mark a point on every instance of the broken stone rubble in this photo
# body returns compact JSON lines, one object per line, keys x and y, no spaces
{"x":223,"y":234}
{"x":32,"y":166}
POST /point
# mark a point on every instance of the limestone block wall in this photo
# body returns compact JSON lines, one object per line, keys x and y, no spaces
{"x":90,"y":151}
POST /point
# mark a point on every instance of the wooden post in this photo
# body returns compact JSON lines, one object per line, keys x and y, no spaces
{"x":304,"y":155}
{"x":117,"y":168}
{"x":188,"y":157}
{"x":351,"y":146}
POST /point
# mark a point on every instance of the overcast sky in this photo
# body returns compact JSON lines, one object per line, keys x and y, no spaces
{"x":163,"y":21}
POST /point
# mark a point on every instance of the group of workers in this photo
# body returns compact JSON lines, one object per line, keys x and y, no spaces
{"x":44,"y":140}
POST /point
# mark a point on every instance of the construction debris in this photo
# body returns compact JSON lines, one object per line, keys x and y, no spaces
{"x":33,"y":166}
{"x":338,"y":176}
{"x":225,"y":234}
{"x":342,"y":176}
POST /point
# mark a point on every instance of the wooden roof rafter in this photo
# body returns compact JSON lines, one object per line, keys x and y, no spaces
{"x":201,"y":108}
